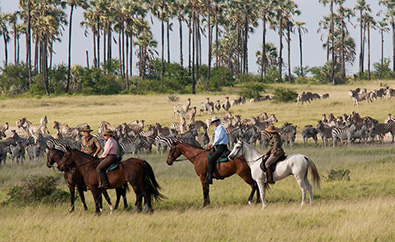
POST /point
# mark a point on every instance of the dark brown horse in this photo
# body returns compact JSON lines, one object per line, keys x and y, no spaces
{"x":74,"y":179}
{"x":198,"y":157}
{"x":137,"y":172}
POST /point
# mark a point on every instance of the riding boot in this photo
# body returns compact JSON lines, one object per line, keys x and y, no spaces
{"x":269,"y":174}
{"x":209,"y":179}
{"x":104,"y":181}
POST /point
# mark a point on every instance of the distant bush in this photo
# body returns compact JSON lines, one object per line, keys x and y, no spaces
{"x":37,"y":189}
{"x":14,"y":79}
{"x":272,"y":76}
{"x":284,"y":95}
{"x":173,"y":98}
{"x":339,"y":175}
{"x":252,"y":90}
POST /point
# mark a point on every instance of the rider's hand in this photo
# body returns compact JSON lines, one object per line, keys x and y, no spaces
{"x":210,"y":146}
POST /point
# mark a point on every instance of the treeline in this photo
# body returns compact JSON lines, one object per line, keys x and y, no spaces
{"x":125,"y":25}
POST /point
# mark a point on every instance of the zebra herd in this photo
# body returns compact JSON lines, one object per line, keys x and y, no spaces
{"x":350,"y":129}
{"x":359,"y":94}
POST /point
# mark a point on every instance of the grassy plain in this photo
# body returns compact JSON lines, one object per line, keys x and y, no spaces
{"x":361,"y":209}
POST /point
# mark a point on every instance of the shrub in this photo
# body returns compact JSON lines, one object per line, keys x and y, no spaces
{"x":252,"y":90}
{"x":339,"y":175}
{"x":37,"y":189}
{"x":173,"y":98}
{"x":284,"y":95}
{"x":272,"y":76}
{"x":14,"y":79}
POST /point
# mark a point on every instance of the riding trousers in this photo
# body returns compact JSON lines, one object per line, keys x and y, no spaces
{"x":219,"y":150}
{"x":107,"y":162}
{"x":272,"y":159}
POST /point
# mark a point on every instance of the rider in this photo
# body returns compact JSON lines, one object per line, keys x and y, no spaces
{"x":89,"y":144}
{"x":109,"y":155}
{"x":220,"y":145}
{"x":275,"y":151}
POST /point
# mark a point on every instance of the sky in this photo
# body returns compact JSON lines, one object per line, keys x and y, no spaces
{"x":313,"y":53}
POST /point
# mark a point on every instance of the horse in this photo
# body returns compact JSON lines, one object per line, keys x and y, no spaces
{"x":74,"y":179}
{"x":199,"y":158}
{"x":295,"y":164}
{"x":137,"y":172}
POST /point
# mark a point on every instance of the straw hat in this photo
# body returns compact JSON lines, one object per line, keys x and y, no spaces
{"x":214,"y":119}
{"x":87,"y":128}
{"x":108,"y":132}
{"x":271,"y":129}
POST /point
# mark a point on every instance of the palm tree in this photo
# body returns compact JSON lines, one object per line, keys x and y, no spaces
{"x":269,"y":56}
{"x":362,"y":7}
{"x":383,"y":28}
{"x":369,"y":23}
{"x":343,"y":14}
{"x":390,"y":15}
{"x":73,"y":4}
{"x":332,"y":30}
{"x":300,"y":26}
{"x":12,"y":20}
{"x":146,"y":52}
{"x":267,"y":17}
{"x":6,"y":36}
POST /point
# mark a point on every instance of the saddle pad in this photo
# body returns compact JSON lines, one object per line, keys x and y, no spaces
{"x":112,"y":167}
{"x":222,"y":159}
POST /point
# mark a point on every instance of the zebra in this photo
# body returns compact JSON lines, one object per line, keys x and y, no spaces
{"x":203,"y":139}
{"x":309,"y":132}
{"x":325,"y":132}
{"x":63,"y":145}
{"x":251,"y":135}
{"x":18,"y":152}
{"x":33,"y":151}
{"x":344,"y":133}
{"x":233,"y":135}
{"x":288,"y":134}
{"x":130,"y":146}
{"x":382,"y":129}
{"x":361,"y":134}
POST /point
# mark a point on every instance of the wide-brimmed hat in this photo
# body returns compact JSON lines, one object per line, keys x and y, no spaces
{"x":271,"y":129}
{"x":87,"y":128}
{"x":214,"y":119}
{"x":108,"y":132}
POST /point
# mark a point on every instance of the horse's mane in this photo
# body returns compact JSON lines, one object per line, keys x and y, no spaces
{"x":83,"y":154}
{"x":189,"y":145}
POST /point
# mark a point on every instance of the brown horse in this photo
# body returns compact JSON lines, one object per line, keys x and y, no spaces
{"x":198,"y":157}
{"x":74,"y":179}
{"x":137,"y":172}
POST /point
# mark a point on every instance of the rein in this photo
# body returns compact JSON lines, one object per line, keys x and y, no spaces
{"x":193,"y":157}
{"x":260,"y":157}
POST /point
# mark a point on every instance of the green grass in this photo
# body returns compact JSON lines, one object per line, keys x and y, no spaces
{"x":361,"y":209}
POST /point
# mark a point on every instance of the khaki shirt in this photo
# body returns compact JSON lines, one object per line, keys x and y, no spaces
{"x":276,"y":144}
{"x":90,"y":146}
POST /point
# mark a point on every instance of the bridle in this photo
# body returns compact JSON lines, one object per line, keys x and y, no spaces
{"x":178,"y":160}
{"x":242,"y":147}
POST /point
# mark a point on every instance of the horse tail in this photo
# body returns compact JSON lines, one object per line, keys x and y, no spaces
{"x":150,"y":183}
{"x":314,"y":173}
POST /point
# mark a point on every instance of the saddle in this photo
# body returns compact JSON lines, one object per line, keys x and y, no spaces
{"x":114,"y":166}
{"x":272,"y":167}
{"x":222,"y":158}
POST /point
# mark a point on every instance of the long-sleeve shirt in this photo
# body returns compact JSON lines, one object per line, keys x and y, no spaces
{"x":110,"y":148}
{"x":220,"y":137}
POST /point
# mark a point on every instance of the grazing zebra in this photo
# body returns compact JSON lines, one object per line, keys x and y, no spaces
{"x":33,"y":151}
{"x":309,"y":132}
{"x":226,"y":105}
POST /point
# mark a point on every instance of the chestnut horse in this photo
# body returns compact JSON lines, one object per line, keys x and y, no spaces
{"x":199,"y":158}
{"x":137,"y":172}
{"x":74,"y":179}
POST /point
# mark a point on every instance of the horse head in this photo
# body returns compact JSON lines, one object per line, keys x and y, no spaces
{"x":237,"y":150}
{"x":66,"y":161}
{"x":53,"y":155}
{"x":174,"y":153}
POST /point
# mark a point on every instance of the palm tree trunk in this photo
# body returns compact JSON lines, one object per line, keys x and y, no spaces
{"x":15,"y":34}
{"x":382,"y":54}
{"x":5,"y":50}
{"x":245,"y":49}
{"x":209,"y":42}
{"x":263,"y":61}
{"x":120,"y":51}
{"x":216,"y":38}
{"x":162,"y":73}
{"x":69,"y":50}
{"x":180,"y":32}
{"x":280,"y":57}
{"x":333,"y":44}
{"x":301,"y":52}
{"x":98,"y":42}
{"x":193,"y":52}
{"x":94,"y":49}
{"x":28,"y":41}
{"x":123,"y":53}
{"x":127,"y":62}
{"x":361,"y":51}
{"x":289,"y":49}
{"x":237,"y":50}
{"x":393,"y":45}
{"x":368,"y":51}
{"x":105,"y":45}
{"x":168,"y":40}
{"x":87,"y":58}
{"x":36,"y":55}
{"x":190,"y":45}
{"x":131,"y":55}
{"x":18,"y":49}
{"x":342,"y":57}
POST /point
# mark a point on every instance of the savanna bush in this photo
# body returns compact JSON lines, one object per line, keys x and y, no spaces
{"x":252,"y":90}
{"x":284,"y":95}
{"x":37,"y":189}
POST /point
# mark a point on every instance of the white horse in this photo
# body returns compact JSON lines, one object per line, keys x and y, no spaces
{"x":295,"y":164}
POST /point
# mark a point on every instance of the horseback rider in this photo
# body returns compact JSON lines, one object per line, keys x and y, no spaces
{"x":89,"y":144}
{"x":220,"y":145}
{"x":110,"y":157}
{"x":276,"y":151}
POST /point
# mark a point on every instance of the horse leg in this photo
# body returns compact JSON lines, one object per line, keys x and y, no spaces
{"x":108,"y":200}
{"x":125,"y":200}
{"x":206,"y":192}
{"x":261,"y":188}
{"x":72,"y":192}
{"x":139,"y":198}
{"x":308,"y":185}
{"x":118,"y":191}
{"x":82,"y":196}
{"x":248,"y":179}
{"x":96,"y":197}
{"x":302,"y":186}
